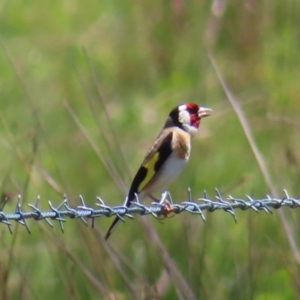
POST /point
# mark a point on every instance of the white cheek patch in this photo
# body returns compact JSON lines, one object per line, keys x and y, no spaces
{"x":184,"y":117}
{"x":181,"y":107}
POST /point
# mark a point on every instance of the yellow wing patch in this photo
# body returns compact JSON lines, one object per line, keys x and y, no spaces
{"x":150,"y":170}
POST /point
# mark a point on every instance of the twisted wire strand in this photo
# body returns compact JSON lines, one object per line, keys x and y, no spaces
{"x":160,"y":209}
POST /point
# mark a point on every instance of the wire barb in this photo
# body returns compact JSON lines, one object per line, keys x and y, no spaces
{"x":159,"y":209}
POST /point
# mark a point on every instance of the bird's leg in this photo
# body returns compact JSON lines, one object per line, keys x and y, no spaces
{"x":167,"y":206}
{"x":153,"y":198}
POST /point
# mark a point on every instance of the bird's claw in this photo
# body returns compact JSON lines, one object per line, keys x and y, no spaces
{"x":167,"y":208}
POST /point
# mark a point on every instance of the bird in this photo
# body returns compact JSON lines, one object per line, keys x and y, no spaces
{"x":168,"y":155}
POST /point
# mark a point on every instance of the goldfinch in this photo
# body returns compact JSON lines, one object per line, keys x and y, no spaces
{"x":168,"y":156}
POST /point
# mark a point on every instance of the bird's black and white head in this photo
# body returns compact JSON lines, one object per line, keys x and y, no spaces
{"x":187,"y":117}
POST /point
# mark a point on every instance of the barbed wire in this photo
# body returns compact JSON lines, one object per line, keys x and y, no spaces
{"x":158,"y":210}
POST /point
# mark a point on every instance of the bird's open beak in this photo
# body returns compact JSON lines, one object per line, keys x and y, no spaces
{"x":204,"y":112}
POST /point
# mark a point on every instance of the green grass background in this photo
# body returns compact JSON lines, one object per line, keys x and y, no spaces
{"x":142,"y":58}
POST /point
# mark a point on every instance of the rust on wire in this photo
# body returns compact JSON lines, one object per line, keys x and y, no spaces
{"x":160,"y":209}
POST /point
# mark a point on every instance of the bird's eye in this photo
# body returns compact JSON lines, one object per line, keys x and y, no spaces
{"x":192,"y":111}
{"x":192,"y":108}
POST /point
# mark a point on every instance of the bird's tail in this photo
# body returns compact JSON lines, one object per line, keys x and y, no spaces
{"x":117,"y":219}
{"x":112,"y":227}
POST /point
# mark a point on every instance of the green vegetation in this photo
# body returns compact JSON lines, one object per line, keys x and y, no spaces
{"x":136,"y":60}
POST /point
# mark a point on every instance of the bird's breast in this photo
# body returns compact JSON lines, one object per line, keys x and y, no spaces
{"x":173,"y":166}
{"x":168,"y":172}
{"x":181,"y":144}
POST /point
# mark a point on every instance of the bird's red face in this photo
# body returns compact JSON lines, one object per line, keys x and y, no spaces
{"x":188,"y":116}
{"x":192,"y":110}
